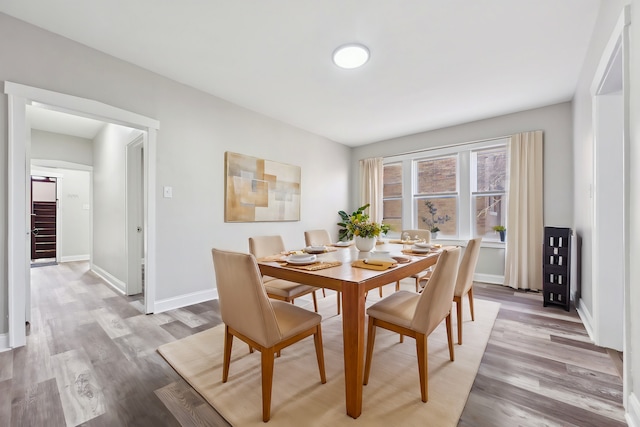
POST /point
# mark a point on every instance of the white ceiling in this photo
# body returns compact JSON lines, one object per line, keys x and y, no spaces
{"x":434,"y":63}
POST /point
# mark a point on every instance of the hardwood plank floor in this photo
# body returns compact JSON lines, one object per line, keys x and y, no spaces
{"x":90,"y":360}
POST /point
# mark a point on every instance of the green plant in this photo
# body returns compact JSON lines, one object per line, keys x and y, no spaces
{"x":359,"y":224}
{"x":433,"y":219}
{"x":499,"y":228}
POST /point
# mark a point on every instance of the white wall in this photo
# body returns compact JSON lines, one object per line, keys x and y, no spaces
{"x":75,"y":215}
{"x":610,"y":11}
{"x":54,"y":146}
{"x":195,"y":131}
{"x":109,"y":204}
{"x":554,"y":120}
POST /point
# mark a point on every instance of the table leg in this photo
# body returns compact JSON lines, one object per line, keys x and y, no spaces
{"x":353,"y":335}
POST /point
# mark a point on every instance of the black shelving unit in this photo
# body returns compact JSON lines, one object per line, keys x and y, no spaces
{"x":556,"y":266}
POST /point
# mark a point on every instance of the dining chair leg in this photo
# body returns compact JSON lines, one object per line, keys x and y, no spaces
{"x":471,"y":302}
{"x":317,"y":339}
{"x":324,"y":294}
{"x":417,"y":285}
{"x":267,"y":381}
{"x":228,"y":342}
{"x":338,"y":294}
{"x":398,"y":285}
{"x":423,"y":365}
{"x":380,"y":291}
{"x":450,"y":336}
{"x":458,"y":301}
{"x":371,"y":338}
{"x":315,"y":301}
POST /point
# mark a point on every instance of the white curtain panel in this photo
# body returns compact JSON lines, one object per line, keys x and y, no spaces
{"x":371,"y":182}
{"x":523,"y":266}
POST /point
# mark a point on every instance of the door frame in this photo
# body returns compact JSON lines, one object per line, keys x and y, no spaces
{"x":19,"y":147}
{"x":134,"y":213}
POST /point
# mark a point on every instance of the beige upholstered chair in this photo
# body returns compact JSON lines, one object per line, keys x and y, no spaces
{"x":417,"y":315}
{"x":263,"y":324}
{"x":283,"y":290}
{"x":464,"y":282}
{"x":319,"y":238}
{"x":423,"y":235}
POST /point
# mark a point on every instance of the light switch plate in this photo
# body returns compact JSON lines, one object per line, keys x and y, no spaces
{"x":168,"y":192}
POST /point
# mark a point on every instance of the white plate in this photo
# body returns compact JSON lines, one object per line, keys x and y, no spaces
{"x":301,"y":259}
{"x":423,"y":245}
{"x":420,"y":250}
{"x":343,"y":243}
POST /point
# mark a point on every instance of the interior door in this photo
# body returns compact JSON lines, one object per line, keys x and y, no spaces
{"x":44,"y":206}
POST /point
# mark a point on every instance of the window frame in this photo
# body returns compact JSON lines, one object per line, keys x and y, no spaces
{"x":465,"y":197}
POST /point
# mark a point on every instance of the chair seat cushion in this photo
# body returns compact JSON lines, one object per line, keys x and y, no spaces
{"x":397,"y":308}
{"x":292,"y":320}
{"x":285,"y":288}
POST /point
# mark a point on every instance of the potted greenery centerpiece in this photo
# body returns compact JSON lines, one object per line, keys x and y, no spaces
{"x":359,"y":226}
{"x":500,"y":229}
{"x":434,"y":219}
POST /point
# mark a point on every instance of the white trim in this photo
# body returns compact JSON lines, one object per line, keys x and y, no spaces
{"x":17,"y":247}
{"x":79,"y":106}
{"x":493,"y":279}
{"x":72,"y":258}
{"x":586,"y":318}
{"x":186,"y":300}
{"x":111,"y":280}
{"x":4,"y":343}
{"x":604,"y":67}
{"x":633,"y":411}
{"x":18,"y":154}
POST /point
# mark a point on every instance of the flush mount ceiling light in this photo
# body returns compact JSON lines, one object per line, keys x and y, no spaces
{"x":351,"y":56}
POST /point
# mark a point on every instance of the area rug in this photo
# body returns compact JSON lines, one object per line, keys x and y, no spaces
{"x":392,"y":396}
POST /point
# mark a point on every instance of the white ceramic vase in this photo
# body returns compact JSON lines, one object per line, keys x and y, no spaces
{"x":365,"y":244}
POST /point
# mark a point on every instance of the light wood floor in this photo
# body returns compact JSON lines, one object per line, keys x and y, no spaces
{"x":90,"y":360}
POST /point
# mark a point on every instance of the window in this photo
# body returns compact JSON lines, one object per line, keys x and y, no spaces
{"x":488,"y":180}
{"x":392,"y":196}
{"x":459,"y":189}
{"x":436,"y":197}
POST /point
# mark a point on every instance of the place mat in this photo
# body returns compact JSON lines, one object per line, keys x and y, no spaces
{"x":410,"y":252}
{"x":272,"y":258}
{"x":315,"y":266}
{"x":329,"y":249}
{"x":392,"y":396}
{"x":385,"y":265}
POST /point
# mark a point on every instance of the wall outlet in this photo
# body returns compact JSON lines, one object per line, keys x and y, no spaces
{"x":168,"y":192}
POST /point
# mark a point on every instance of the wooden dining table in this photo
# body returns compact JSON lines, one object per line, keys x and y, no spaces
{"x":353,"y":283}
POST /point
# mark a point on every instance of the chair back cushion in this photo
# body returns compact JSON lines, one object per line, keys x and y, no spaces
{"x":244,"y":305}
{"x":435,"y":301}
{"x":317,"y":238}
{"x":422,"y":234}
{"x":263,"y":246}
{"x":467,"y":267}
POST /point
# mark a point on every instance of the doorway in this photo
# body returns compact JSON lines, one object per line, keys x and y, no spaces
{"x":44,"y":210}
{"x":19,"y":221}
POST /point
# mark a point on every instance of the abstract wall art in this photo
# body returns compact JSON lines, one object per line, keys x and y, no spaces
{"x":260,"y":190}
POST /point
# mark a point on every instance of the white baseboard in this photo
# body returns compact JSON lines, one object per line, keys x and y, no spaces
{"x":586,"y":318}
{"x":494,"y":279}
{"x":117,"y":284}
{"x":72,"y":258}
{"x":185,"y":300}
{"x":633,"y":411}
{"x":4,"y":343}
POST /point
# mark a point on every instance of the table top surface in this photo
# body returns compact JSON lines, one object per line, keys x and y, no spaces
{"x":345,"y":273}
